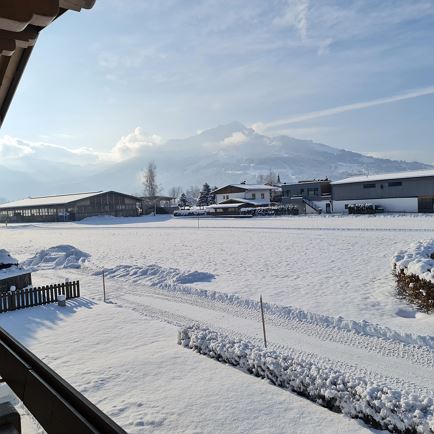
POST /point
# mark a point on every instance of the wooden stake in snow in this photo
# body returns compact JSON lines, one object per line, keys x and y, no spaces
{"x":103,"y":282}
{"x":263,"y":321}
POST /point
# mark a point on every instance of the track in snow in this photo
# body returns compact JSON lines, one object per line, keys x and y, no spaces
{"x":397,"y":364}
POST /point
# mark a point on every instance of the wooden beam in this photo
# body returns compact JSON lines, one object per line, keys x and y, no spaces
{"x":76,"y":5}
{"x":16,"y":15}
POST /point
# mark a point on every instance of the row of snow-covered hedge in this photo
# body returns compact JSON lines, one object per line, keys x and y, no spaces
{"x":356,"y":397}
{"x":414,"y":272}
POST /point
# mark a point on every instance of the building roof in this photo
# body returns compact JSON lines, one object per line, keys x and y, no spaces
{"x":62,"y":199}
{"x":13,"y":271}
{"x":247,"y":187}
{"x":386,"y":177}
{"x":20,"y":24}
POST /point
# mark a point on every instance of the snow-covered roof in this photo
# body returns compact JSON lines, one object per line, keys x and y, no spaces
{"x":226,"y":205}
{"x":6,"y":258}
{"x":13,"y":271}
{"x":251,"y":187}
{"x":252,"y":201}
{"x":49,"y":200}
{"x":386,"y":177}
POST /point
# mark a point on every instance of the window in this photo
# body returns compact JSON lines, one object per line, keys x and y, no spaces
{"x":395,"y":184}
{"x":369,"y":185}
{"x":253,"y":195}
{"x":262,"y":196}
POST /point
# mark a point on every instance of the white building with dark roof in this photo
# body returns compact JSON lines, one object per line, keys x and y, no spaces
{"x":393,"y":192}
{"x":248,"y":194}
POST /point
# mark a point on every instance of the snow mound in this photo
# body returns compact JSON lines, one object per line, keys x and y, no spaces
{"x":62,"y":256}
{"x":418,"y":260}
{"x":6,"y":258}
{"x":356,"y":397}
{"x":156,"y":276}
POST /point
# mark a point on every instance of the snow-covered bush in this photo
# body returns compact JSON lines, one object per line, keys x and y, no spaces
{"x":377,"y":405}
{"x":414,"y":271}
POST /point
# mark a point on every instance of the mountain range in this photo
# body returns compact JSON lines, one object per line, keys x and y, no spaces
{"x":226,"y":154}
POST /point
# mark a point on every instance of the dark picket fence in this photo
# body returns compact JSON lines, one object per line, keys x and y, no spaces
{"x":29,"y":297}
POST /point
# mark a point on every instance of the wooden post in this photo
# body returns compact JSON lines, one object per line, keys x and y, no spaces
{"x":263,"y":321}
{"x":103,"y":282}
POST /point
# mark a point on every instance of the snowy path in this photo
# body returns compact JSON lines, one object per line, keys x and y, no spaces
{"x":408,"y":367}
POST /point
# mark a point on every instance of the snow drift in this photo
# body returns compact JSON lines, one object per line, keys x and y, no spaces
{"x":62,"y":256}
{"x":155,"y":275}
{"x":376,"y":404}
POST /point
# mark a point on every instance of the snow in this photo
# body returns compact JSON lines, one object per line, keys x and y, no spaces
{"x":386,"y":176}
{"x":6,"y":258}
{"x":353,"y":396}
{"x":13,"y":271}
{"x":250,"y":187}
{"x":417,"y":260}
{"x":62,"y":256}
{"x":329,"y":300}
{"x":49,"y":200}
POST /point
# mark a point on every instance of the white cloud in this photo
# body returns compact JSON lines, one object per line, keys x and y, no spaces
{"x":12,"y":150}
{"x":235,"y":139}
{"x":131,"y":145}
{"x":343,"y":109}
{"x":296,"y":17}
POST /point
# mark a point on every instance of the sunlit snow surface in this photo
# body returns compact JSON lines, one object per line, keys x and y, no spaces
{"x":166,"y":269}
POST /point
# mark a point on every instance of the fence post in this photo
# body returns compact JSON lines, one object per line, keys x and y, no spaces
{"x":78,"y":288}
{"x":12,"y":301}
{"x":263,"y":321}
{"x":103,"y":282}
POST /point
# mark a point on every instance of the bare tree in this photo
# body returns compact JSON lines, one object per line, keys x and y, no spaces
{"x":271,"y":178}
{"x":175,"y":192}
{"x":150,"y":186}
{"x":192,"y":194}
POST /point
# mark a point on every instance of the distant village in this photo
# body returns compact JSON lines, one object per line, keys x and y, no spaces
{"x":404,"y":192}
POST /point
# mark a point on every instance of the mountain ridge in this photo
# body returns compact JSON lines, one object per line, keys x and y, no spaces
{"x":228,"y":153}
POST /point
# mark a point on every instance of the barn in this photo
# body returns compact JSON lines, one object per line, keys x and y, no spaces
{"x":70,"y":207}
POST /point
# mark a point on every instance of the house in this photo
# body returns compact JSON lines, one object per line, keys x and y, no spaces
{"x":310,"y":196}
{"x":393,"y":192}
{"x":11,"y":274}
{"x":230,"y":208}
{"x":70,"y":207}
{"x":252,"y":195}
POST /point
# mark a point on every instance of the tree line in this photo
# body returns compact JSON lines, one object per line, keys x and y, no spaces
{"x":192,"y":196}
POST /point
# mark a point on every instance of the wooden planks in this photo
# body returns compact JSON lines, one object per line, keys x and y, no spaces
{"x":29,"y":297}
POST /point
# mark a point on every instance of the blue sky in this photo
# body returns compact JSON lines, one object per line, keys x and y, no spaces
{"x":352,"y":74}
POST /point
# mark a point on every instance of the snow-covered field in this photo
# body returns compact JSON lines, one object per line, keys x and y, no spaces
{"x":329,"y":295}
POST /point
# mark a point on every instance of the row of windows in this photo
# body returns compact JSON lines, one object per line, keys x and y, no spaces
{"x":390,"y":184}
{"x":310,"y":192}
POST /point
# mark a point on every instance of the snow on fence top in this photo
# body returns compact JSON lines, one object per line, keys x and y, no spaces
{"x":418,"y":260}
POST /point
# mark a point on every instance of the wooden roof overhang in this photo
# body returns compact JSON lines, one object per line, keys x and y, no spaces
{"x":20,"y":24}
